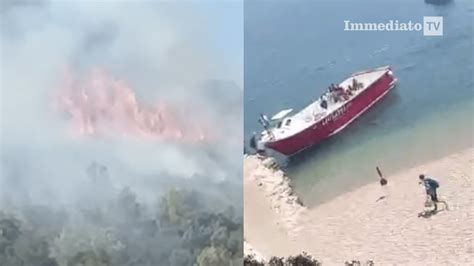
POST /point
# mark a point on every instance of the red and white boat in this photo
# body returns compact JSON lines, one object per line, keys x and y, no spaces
{"x":289,"y":133}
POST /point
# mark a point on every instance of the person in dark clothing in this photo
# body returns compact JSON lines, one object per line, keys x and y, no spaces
{"x":355,"y":84}
{"x":324,"y":104}
{"x":431,"y":186}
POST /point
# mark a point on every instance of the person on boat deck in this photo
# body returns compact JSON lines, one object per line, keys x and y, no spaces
{"x":349,"y":92}
{"x":355,"y":85}
{"x":329,"y":97}
{"x":340,"y":94}
{"x":345,"y":93}
{"x":323,"y":101}
{"x":430,"y":186}
{"x":324,"y":104}
{"x":263,"y":119}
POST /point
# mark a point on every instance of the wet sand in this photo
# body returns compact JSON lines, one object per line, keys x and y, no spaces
{"x":357,"y":225}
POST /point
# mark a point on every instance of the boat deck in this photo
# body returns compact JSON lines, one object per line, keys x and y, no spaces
{"x":313,"y":113}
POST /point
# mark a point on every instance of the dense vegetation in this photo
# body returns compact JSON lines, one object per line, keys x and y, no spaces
{"x":300,"y":260}
{"x":180,"y":230}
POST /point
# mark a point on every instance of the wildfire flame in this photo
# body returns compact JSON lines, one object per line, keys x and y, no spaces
{"x":100,"y":104}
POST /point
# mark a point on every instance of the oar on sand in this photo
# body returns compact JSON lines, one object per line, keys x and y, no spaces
{"x":383,"y":181}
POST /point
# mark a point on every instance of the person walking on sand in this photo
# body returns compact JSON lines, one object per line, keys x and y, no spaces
{"x":431,"y":186}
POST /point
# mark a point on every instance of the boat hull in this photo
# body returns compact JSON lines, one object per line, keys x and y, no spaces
{"x":336,"y":122}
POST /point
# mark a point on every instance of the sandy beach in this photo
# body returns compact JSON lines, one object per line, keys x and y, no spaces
{"x":358,"y":226}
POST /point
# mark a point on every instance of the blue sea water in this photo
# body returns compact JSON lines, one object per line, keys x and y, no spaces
{"x":294,"y":50}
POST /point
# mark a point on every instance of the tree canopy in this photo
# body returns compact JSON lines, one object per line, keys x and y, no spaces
{"x":179,"y":231}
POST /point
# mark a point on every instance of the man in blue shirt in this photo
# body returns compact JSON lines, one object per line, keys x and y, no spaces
{"x":431,"y":185}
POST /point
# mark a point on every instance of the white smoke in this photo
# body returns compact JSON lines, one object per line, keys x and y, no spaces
{"x":162,"y":49}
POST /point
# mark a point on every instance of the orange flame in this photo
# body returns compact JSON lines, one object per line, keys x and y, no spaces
{"x":101,"y":104}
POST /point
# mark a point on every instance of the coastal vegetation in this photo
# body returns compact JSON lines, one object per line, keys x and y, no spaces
{"x":302,"y":259}
{"x":299,"y":260}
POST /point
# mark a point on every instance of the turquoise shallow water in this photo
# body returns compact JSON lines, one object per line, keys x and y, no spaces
{"x":294,"y":50}
{"x":348,"y":160}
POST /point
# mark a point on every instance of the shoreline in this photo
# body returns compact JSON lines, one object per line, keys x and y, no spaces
{"x":272,"y":211}
{"x":396,"y":172}
{"x":355,"y":225}
{"x":277,"y":189}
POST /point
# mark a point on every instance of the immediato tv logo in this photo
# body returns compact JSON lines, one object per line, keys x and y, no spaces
{"x":432,"y":26}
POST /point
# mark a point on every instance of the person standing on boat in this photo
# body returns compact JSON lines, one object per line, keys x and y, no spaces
{"x":355,"y":84}
{"x":263,"y":119}
{"x":339,"y":94}
{"x":324,"y":101}
{"x":431,"y":186}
